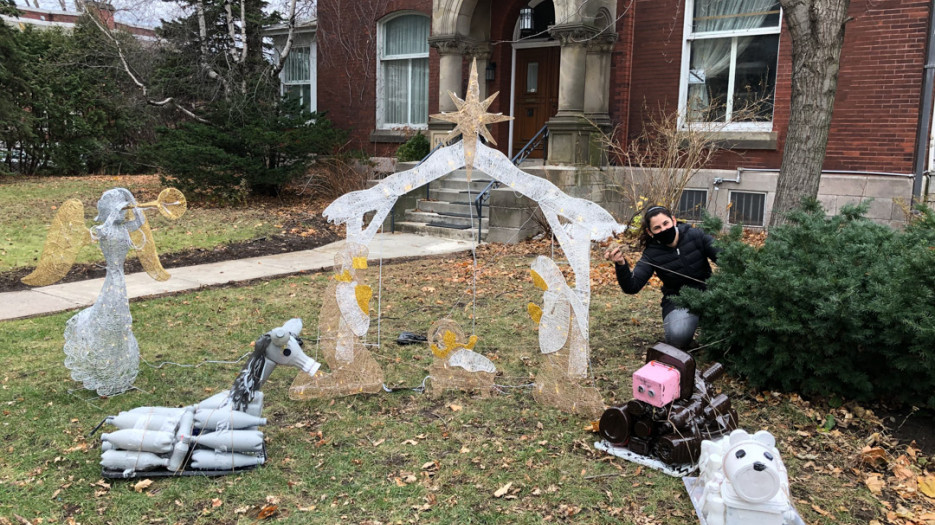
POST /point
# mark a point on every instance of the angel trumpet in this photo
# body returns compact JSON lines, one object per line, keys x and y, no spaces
{"x":167,"y":197}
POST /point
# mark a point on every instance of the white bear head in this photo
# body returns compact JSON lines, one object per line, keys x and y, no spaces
{"x":752,"y":465}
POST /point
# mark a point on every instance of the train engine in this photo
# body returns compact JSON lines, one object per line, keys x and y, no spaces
{"x":674,"y":408}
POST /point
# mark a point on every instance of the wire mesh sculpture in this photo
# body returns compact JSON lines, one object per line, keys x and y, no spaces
{"x":343,"y":321}
{"x":576,"y":222}
{"x":100,"y":348}
{"x":564,"y":344}
{"x":214,"y":437}
{"x":456,"y":365}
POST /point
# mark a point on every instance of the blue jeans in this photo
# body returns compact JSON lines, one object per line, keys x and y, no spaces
{"x":680,"y":326}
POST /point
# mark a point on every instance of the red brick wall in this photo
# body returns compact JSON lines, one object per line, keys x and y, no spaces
{"x":347,"y":61}
{"x":876,"y":113}
{"x":879,"y":88}
{"x":874,"y":121}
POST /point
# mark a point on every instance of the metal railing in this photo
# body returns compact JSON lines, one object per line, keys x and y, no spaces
{"x":484,"y":196}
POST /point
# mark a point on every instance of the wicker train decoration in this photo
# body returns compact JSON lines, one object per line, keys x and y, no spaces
{"x":214,"y":437}
{"x":674,"y":409}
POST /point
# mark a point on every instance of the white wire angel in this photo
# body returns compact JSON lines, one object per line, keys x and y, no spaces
{"x":100,"y":349}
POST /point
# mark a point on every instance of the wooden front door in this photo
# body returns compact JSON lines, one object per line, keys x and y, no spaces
{"x":536,"y":95}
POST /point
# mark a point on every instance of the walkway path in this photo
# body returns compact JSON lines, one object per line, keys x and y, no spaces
{"x":67,"y":296}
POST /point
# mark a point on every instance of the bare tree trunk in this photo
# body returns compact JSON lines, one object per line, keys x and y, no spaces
{"x":817,"y":30}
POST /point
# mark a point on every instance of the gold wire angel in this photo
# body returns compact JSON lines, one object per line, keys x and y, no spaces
{"x":100,"y":349}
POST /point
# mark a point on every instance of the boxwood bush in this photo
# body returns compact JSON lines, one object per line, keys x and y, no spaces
{"x":834,"y":306}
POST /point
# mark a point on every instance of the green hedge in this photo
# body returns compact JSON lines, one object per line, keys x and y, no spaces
{"x":416,"y":148}
{"x":837,"y":306}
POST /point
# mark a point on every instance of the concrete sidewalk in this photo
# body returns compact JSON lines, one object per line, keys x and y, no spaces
{"x":67,"y":296}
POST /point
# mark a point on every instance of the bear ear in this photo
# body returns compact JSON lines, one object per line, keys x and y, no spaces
{"x":738,"y":436}
{"x":765,"y":438}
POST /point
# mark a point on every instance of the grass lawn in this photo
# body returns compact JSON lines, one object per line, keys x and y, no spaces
{"x":400,"y":457}
{"x":29,"y":204}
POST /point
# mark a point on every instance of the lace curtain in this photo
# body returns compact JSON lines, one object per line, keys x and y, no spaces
{"x":406,"y":70}
{"x":712,"y":56}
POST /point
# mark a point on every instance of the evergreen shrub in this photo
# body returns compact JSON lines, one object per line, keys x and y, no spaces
{"x":834,"y":306}
{"x":256,"y":152}
{"x":416,"y":148}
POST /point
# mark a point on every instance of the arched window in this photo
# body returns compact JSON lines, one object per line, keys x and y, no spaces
{"x":403,"y":72}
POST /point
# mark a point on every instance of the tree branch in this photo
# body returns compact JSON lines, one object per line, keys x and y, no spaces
{"x":203,"y":35}
{"x":288,"y":47}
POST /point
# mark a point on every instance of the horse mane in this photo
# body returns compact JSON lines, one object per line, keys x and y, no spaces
{"x":247,"y":383}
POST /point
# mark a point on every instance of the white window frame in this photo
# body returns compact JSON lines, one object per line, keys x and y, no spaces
{"x":312,"y":73}
{"x":687,"y":38}
{"x":381,"y":82}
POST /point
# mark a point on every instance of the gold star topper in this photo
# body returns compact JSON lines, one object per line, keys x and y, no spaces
{"x":471,"y":118}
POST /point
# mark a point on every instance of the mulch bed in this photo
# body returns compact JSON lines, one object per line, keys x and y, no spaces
{"x":294,"y":237}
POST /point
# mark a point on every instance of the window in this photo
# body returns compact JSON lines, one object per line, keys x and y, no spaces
{"x":746,"y":208}
{"x":403,"y":81}
{"x":729,"y":63}
{"x":297,"y":78}
{"x":691,"y":204}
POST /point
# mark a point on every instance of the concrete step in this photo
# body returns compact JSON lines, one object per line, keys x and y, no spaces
{"x":419,"y":228}
{"x":455,"y":208}
{"x":453,"y":221}
{"x":476,"y":185}
{"x":453,"y":196}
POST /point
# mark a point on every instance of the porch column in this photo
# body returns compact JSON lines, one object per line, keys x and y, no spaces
{"x":597,"y":87}
{"x":569,"y":130}
{"x":451,"y":54}
{"x":481,"y":52}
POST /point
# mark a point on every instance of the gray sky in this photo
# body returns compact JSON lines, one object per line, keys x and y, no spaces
{"x":149,"y":12}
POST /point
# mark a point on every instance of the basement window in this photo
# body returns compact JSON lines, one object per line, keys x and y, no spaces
{"x":747,"y":209}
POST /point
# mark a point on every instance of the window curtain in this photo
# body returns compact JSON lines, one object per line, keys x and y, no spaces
{"x":712,"y":56}
{"x":405,"y":73}
{"x":297,"y":67}
{"x":406,"y":35}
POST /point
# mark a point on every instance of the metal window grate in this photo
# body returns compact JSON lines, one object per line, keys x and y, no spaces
{"x":747,"y":209}
{"x":691,"y":204}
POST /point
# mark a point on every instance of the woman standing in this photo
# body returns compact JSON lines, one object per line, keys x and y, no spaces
{"x":679,"y":255}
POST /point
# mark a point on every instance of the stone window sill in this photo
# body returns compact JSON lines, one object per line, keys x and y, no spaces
{"x":396,"y":136}
{"x":763,"y":140}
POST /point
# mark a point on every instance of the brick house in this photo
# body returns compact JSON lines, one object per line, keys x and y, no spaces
{"x":385,"y":65}
{"x":47,"y":18}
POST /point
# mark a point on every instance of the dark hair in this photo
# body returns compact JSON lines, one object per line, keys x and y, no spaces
{"x":651,"y":212}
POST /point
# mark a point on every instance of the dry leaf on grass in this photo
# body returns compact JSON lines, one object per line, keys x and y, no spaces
{"x":502,"y":490}
{"x":267,"y":512}
{"x":142,"y":485}
{"x":875,"y":483}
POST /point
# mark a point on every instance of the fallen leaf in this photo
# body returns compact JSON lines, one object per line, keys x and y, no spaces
{"x":875,"y":483}
{"x":216,"y":502}
{"x":873,"y":456}
{"x":820,"y":510}
{"x":267,"y":512}
{"x":142,"y":485}
{"x":927,"y":485}
{"x":378,"y":442}
{"x":454,"y":407}
{"x":502,"y":490}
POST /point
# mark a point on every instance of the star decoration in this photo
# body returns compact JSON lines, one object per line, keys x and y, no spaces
{"x":471,"y":119}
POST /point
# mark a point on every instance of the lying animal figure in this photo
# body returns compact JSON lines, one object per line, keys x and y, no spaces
{"x":214,"y":437}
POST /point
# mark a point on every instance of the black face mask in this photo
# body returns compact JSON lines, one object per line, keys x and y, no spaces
{"x":665,"y":237}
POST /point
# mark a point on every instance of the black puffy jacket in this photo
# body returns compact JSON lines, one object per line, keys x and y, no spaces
{"x":684,"y":265}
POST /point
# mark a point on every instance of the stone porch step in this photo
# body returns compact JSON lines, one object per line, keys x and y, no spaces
{"x":453,"y":221}
{"x":453,"y":208}
{"x":420,"y":228}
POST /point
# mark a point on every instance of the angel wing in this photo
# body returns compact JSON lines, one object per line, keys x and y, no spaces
{"x":67,"y":234}
{"x":143,"y":237}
